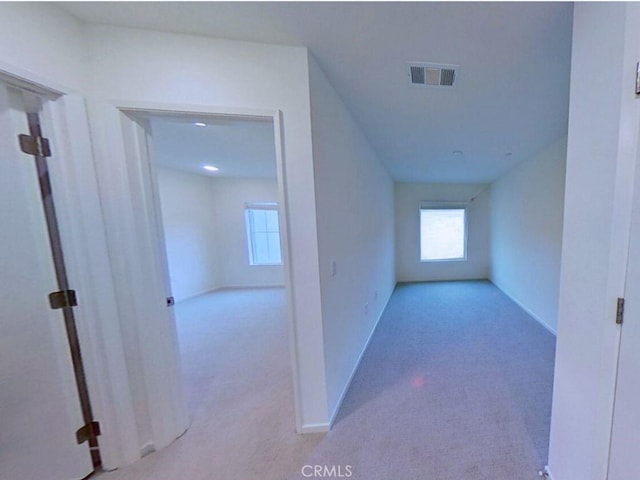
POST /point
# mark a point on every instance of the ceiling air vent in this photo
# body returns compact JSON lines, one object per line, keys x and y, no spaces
{"x":433,"y":74}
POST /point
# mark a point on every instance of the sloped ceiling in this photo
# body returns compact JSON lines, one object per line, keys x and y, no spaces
{"x":510,"y":98}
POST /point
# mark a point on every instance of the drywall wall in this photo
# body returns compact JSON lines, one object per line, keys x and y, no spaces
{"x":527,"y":206}
{"x":229,"y":198}
{"x":42,"y":43}
{"x":354,"y":202}
{"x":408,"y":197}
{"x":205,"y":232}
{"x":601,"y":157}
{"x":190,"y":232}
{"x":142,"y":67}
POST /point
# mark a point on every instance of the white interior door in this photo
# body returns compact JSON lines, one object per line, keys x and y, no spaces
{"x":624,"y":463}
{"x":39,"y":406}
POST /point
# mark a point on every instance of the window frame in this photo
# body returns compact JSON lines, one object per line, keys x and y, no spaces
{"x":271,"y":206}
{"x":444,"y":206}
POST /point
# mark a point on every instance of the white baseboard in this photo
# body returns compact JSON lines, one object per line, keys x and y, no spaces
{"x":147,"y":448}
{"x":547,"y":473}
{"x":194,"y":295}
{"x":334,"y":414}
{"x":315,"y":428}
{"x":227,"y":287}
{"x":526,"y":309}
{"x":249,"y":287}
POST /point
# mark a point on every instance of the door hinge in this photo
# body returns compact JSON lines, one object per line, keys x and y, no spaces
{"x":62,"y":299}
{"x":36,"y":146}
{"x":170,"y":302}
{"x":620,"y":311}
{"x":87,"y":432}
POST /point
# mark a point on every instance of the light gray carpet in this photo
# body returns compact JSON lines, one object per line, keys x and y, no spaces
{"x":236,"y":363}
{"x":456,"y":385}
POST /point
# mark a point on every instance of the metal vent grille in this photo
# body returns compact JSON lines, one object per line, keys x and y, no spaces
{"x":417,"y":75}
{"x":432,"y":75}
{"x":447,"y":77}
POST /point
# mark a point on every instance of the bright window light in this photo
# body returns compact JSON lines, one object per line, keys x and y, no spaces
{"x":211,"y":168}
{"x":442,"y":234}
{"x":200,"y":124}
{"x":263,"y":234}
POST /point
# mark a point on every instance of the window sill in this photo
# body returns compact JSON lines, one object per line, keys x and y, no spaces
{"x":444,"y":260}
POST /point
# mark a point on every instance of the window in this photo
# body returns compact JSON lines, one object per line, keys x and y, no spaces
{"x":443,"y":234}
{"x":263,"y":233}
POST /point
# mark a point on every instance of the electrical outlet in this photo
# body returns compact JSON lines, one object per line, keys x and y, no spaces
{"x":375,"y":295}
{"x":334,"y":267}
{"x":366,"y":308}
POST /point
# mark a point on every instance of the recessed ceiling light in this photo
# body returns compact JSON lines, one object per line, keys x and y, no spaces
{"x":457,"y":153}
{"x":211,"y":168}
{"x":508,"y":154}
{"x":200,"y":124}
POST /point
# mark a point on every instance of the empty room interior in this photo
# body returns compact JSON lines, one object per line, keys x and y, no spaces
{"x":368,"y":240}
{"x":217,"y":186}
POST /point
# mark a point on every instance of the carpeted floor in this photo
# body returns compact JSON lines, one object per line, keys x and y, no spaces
{"x":456,"y":385}
{"x":236,"y":362}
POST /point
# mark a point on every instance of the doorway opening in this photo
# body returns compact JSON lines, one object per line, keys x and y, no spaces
{"x":218,"y":194}
{"x":216,"y":185}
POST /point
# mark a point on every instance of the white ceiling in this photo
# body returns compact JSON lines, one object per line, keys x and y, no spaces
{"x":238,"y":147}
{"x":511,"y":94}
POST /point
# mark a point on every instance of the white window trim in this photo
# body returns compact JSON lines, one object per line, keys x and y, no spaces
{"x":445,"y":206}
{"x":247,"y":223}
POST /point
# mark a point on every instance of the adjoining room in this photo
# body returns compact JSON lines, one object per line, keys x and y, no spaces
{"x":221,"y":217}
{"x":218,"y":191}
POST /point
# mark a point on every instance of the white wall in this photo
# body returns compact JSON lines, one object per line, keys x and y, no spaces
{"x":41,"y":42}
{"x":527,"y":207}
{"x":177,"y":70}
{"x":205,"y":232}
{"x":190,"y":232}
{"x":408,"y":197}
{"x":229,"y":198}
{"x":354,"y":202}
{"x":601,"y":157}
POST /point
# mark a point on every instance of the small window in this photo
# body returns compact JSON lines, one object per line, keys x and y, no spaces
{"x":263,"y":234}
{"x":443,"y":234}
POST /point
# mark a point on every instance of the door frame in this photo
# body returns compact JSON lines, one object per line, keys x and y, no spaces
{"x":117,"y":124}
{"x":627,"y":210}
{"x":627,"y":332}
